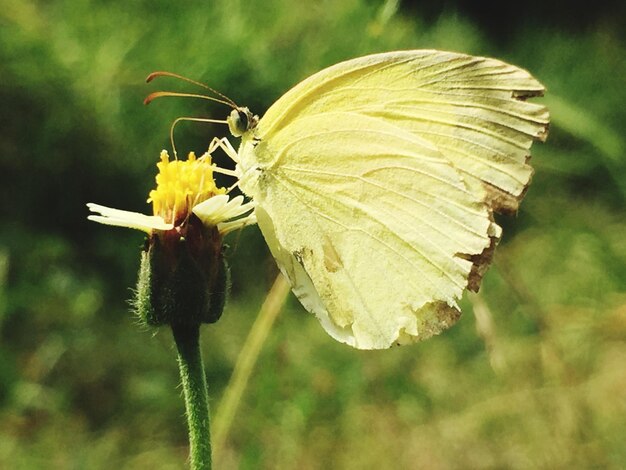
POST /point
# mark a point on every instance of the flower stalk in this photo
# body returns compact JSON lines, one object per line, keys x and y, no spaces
{"x":187,"y":338}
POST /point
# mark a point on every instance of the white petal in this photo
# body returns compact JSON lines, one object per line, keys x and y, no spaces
{"x":120,"y":218}
{"x":231,"y":208}
{"x":227,"y":227}
{"x":246,"y":208}
{"x":219,"y":209}
{"x":208,"y":211}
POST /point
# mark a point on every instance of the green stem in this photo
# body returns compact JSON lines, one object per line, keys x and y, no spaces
{"x":196,"y":395}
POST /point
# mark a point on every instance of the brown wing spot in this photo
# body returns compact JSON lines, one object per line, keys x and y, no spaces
{"x":500,"y":201}
{"x":481,"y":262}
{"x":332,"y":261}
{"x":440,"y":317}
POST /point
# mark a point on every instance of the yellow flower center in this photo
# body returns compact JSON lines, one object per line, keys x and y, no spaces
{"x":181,"y":185}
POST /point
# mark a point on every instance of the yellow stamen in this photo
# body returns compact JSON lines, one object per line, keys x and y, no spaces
{"x":181,"y":185}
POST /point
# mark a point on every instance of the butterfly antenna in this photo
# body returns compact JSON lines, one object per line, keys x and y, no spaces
{"x":160,"y":94}
{"x":226,"y":99}
{"x":193,"y":119}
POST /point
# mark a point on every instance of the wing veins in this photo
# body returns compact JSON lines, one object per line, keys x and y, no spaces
{"x":462,"y":125}
{"x":487,"y":162}
{"x":507,"y":100}
{"x":371,"y":316}
{"x":456,"y":63}
{"x":384,"y":67}
{"x":417,"y":201}
{"x":459,"y":104}
{"x":358,"y":229}
{"x":325,"y":133}
{"x":478,"y":144}
{"x":417,"y":232}
{"x":453,"y":78}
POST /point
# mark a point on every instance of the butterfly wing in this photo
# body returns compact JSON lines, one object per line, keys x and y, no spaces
{"x":375,"y":181}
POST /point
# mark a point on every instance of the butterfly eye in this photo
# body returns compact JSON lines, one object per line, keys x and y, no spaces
{"x":238,"y":121}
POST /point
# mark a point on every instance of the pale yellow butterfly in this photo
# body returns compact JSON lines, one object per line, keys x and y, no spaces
{"x":375,"y":182}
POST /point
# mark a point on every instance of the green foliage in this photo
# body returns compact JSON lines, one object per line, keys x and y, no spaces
{"x":532,"y":376}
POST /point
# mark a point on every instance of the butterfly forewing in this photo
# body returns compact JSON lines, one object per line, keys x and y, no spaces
{"x":472,"y":108}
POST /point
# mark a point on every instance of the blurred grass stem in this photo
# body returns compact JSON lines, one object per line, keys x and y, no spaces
{"x":246,"y":360}
{"x":196,"y":395}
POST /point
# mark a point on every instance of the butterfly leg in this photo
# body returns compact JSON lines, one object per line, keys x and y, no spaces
{"x":224,"y":171}
{"x":214,"y":145}
{"x":229,"y":150}
{"x":226,"y":146}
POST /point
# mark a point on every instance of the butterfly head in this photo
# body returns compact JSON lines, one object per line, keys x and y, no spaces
{"x":241,"y":120}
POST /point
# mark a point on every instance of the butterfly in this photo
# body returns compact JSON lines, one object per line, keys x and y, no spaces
{"x":375,"y":182}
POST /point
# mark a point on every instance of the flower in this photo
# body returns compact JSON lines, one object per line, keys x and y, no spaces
{"x":183,"y":276}
{"x":184,"y":187}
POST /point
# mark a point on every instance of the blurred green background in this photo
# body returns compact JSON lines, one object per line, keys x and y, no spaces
{"x":533,"y":376}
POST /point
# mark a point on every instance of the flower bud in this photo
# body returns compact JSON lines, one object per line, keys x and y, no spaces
{"x":182,"y":280}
